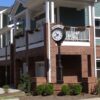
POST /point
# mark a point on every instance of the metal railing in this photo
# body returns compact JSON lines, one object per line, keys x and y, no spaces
{"x":80,"y":34}
{"x":3,"y":51}
{"x":20,"y":42}
{"x":36,"y":37}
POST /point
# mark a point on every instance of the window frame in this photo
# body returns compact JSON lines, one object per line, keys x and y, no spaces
{"x":41,"y":74}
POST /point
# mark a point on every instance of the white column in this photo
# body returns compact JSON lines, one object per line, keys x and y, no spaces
{"x":1,"y":20}
{"x":11,"y":36}
{"x":47,"y":8}
{"x":93,"y":23}
{"x":90,"y":15}
{"x":52,"y":12}
{"x":47,"y":13}
{"x":1,"y":40}
{"x":27,"y":20}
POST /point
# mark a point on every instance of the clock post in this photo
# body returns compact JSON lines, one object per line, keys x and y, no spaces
{"x":58,"y":35}
{"x":60,"y":67}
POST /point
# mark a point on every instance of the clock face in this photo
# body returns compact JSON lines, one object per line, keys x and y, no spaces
{"x":57,"y":35}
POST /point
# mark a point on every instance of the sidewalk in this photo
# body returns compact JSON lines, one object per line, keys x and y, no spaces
{"x":91,"y":99}
{"x":10,"y":99}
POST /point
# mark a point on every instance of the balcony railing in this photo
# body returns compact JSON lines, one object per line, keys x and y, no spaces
{"x":78,"y":34}
{"x":20,"y":42}
{"x":8,"y":50}
{"x":3,"y":51}
{"x":36,"y":37}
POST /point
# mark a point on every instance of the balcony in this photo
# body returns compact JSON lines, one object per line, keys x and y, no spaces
{"x":77,"y":36}
{"x":36,"y":39}
{"x":20,"y":43}
{"x":20,"y":39}
{"x":2,"y":52}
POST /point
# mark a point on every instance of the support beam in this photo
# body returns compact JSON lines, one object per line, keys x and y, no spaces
{"x":47,"y":40}
{"x":93,"y":23}
{"x":47,"y":12}
{"x":90,"y":15}
{"x":1,"y":20}
{"x":11,"y":36}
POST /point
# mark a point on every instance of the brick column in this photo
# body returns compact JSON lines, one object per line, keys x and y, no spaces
{"x":84,"y":68}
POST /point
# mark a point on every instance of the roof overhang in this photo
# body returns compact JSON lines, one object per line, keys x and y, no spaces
{"x":34,"y":3}
{"x":38,"y":5}
{"x":15,"y":6}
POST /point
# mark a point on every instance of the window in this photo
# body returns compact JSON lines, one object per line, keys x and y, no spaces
{"x":97,"y":25}
{"x":98,"y":68}
{"x":40,"y":69}
{"x":24,"y":69}
{"x":97,"y":31}
{"x":97,"y":22}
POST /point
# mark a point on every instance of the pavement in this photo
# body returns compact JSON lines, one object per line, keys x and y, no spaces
{"x":10,"y":99}
{"x":91,"y":99}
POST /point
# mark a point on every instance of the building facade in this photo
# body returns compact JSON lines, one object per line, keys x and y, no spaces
{"x":32,"y":49}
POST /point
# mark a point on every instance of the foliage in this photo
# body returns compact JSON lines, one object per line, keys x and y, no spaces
{"x":98,"y":87}
{"x":25,"y":83}
{"x":19,"y":33}
{"x":65,"y":90}
{"x":45,"y":89}
{"x":76,"y":89}
{"x":6,"y":87}
{"x":39,"y":89}
{"x":48,"y":89}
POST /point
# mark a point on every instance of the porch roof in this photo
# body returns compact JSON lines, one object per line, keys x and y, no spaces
{"x":33,"y":3}
{"x":38,"y":4}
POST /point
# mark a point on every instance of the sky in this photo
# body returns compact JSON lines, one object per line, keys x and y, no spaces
{"x":6,"y":3}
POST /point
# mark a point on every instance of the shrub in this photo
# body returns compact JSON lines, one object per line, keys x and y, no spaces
{"x":76,"y":89}
{"x":48,"y":89}
{"x":98,"y":87}
{"x":65,"y":90}
{"x":25,"y":83}
{"x":39,"y":89}
{"x":45,"y":89}
{"x":6,"y":87}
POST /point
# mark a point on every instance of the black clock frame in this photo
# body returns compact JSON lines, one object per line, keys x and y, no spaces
{"x":63,"y":32}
